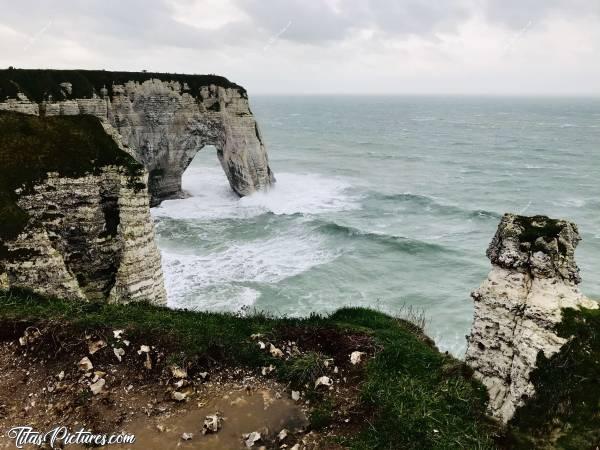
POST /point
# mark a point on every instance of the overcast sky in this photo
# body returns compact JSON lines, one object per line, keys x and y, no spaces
{"x":321,"y":46}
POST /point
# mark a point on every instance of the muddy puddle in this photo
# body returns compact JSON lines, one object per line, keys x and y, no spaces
{"x":242,"y":413}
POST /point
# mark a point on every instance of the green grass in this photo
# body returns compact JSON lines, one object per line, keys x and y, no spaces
{"x":410,"y":398}
{"x":32,"y":146}
{"x":565,"y":412}
{"x":536,"y":227}
{"x":417,"y":402}
{"x":38,"y":84}
{"x":305,"y":369}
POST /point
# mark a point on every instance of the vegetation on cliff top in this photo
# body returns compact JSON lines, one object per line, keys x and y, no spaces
{"x":32,"y":146}
{"x":38,"y":84}
{"x":565,"y":411}
{"x":411,"y":396}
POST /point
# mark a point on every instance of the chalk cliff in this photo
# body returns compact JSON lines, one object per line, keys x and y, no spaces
{"x":533,"y":277}
{"x":74,"y":212}
{"x":163,"y":119}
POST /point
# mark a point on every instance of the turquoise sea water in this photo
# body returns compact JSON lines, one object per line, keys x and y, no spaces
{"x":382,"y":202}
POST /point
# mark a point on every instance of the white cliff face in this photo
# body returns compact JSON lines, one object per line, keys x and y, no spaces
{"x":534,"y":276}
{"x":164,"y":125}
{"x":91,"y":236}
{"x":87,"y":238}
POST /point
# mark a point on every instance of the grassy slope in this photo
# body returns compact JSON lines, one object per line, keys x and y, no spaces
{"x":32,"y":146}
{"x":414,"y":397}
{"x":37,"y":84}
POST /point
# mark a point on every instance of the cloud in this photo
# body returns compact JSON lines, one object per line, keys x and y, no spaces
{"x":517,"y":13}
{"x":320,"y":46}
{"x":326,"y":20}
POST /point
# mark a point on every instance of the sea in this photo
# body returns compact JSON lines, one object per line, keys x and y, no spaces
{"x":386,"y":202}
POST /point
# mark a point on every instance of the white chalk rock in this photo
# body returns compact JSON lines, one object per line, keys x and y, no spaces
{"x":85,"y":365}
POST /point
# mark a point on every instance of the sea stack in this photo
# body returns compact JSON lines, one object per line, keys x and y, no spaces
{"x":533,"y":277}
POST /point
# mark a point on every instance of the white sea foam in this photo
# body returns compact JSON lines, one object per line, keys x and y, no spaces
{"x":212,"y":198}
{"x":216,"y":280}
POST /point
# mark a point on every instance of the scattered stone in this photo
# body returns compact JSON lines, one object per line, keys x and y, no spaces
{"x":323,"y":381}
{"x":97,"y":376}
{"x":212,"y":423}
{"x":179,"y":396}
{"x":126,"y":342}
{"x":61,"y":375}
{"x":356,"y":357}
{"x":85,"y":365}
{"x":29,"y":337}
{"x":255,"y":336}
{"x":148,"y":362}
{"x":97,"y":387}
{"x":119,"y":353}
{"x":267,"y":370}
{"x":295,"y":447}
{"x":94,"y":346}
{"x":203,"y":375}
{"x":178,"y":372}
{"x":295,"y":395}
{"x":275,"y":352}
{"x":187,"y":436}
{"x":282,"y":434}
{"x":160,"y":428}
{"x":118,"y":333}
{"x":251,"y":438}
{"x":144,"y":349}
{"x":262,"y":345}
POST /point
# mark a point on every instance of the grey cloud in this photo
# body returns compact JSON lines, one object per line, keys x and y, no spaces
{"x":311,"y":21}
{"x":518,"y":13}
{"x":139,"y":23}
{"x":317,"y":21}
{"x":150,"y":23}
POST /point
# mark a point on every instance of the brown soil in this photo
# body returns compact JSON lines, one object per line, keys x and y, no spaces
{"x":138,"y":395}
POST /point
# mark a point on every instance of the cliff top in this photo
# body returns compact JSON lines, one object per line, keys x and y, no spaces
{"x":31,"y":146}
{"x":538,"y":243}
{"x":38,"y":84}
{"x":401,"y":392}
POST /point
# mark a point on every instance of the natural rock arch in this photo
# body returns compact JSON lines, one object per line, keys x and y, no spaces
{"x":163,"y":119}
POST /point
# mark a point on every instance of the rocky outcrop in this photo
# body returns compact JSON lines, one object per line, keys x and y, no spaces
{"x":533,"y":277}
{"x":76,"y":220}
{"x":164,"y":119}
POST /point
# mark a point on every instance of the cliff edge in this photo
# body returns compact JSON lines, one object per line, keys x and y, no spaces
{"x":74,"y":216}
{"x":163,"y":119}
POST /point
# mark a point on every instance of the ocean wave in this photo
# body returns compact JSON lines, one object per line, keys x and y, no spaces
{"x":269,"y":261}
{"x":401,"y":243}
{"x":211,"y":197}
{"x":432,"y":204}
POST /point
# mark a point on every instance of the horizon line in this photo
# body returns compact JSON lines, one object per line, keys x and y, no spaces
{"x":432,"y":94}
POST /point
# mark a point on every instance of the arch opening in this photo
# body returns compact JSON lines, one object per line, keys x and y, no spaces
{"x":204,"y":174}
